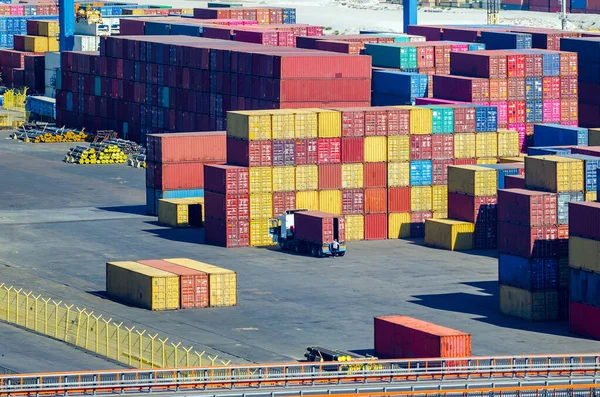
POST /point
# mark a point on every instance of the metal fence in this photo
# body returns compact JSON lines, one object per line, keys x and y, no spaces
{"x":84,"y":329}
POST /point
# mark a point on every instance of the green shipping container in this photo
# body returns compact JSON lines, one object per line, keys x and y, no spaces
{"x":97,"y":86}
{"x":392,"y":56}
{"x":442,"y":119}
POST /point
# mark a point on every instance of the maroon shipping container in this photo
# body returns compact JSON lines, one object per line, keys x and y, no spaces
{"x":398,"y":199}
{"x":406,"y":337}
{"x":420,"y":147}
{"x":284,"y":152}
{"x":398,"y":121}
{"x":464,"y":119}
{"x":229,"y":207}
{"x":306,"y":151}
{"x":330,"y":176}
{"x":375,"y":174}
{"x":226,"y":179}
{"x":187,"y":146}
{"x":376,"y":201}
{"x":249,"y":153}
{"x":486,"y":64}
{"x":442,"y":146}
{"x":431,"y":33}
{"x":265,"y":37}
{"x":473,"y":209}
{"x":319,"y":227}
{"x":227,"y":234}
{"x":514,"y":182}
{"x":527,"y":207}
{"x":587,"y":150}
{"x":172,"y":176}
{"x":584,"y":320}
{"x":193,"y":285}
{"x":467,"y":89}
{"x":212,"y":13}
{"x":440,"y":171}
{"x":527,"y":241}
{"x":584,"y":220}
{"x":376,"y":227}
{"x":353,"y":202}
{"x":283,"y":201}
{"x":329,"y":150}
{"x":353,"y":149}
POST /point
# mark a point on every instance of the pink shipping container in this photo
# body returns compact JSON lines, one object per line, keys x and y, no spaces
{"x":353,"y":202}
{"x":584,"y":220}
{"x":227,"y":234}
{"x":527,"y":241}
{"x":172,"y":176}
{"x":421,"y":147}
{"x":551,"y":87}
{"x":329,"y":150}
{"x":319,"y":227}
{"x":376,"y":226}
{"x":485,"y":64}
{"x":306,"y":151}
{"x":442,"y":146}
{"x":283,"y":201}
{"x":229,"y":207}
{"x":464,"y":119}
{"x":226,"y":179}
{"x":551,"y":111}
{"x":353,"y":150}
{"x":249,"y":153}
{"x":481,"y":209}
{"x":406,"y":337}
{"x":584,"y":320}
{"x":527,"y":207}
{"x":514,"y":182}
{"x":502,"y":113}
{"x":187,"y":146}
{"x":193,"y":285}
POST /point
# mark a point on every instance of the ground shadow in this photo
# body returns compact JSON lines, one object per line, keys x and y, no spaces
{"x":363,"y":352}
{"x":490,"y":253}
{"x":184,"y":235}
{"x":103,"y":295}
{"x":127,"y":209}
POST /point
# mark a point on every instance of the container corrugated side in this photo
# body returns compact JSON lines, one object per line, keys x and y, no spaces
{"x":308,"y":200}
{"x":399,"y":225}
{"x":421,"y":198}
{"x":449,"y":234}
{"x":584,"y":254}
{"x":306,"y":124}
{"x":486,"y":145}
{"x":261,"y":206}
{"x":330,"y":201}
{"x":307,"y":177}
{"x":355,"y":227}
{"x":440,"y":199}
{"x":554,"y":173}
{"x":398,"y":149}
{"x":259,"y":232}
{"x":261,"y":180}
{"x":187,"y":146}
{"x":329,"y":123}
{"x":527,"y":305}
{"x":375,"y":149}
{"x":398,"y":174}
{"x":284,"y":179}
{"x":352,"y":176}
{"x":585,"y":218}
{"x":420,"y":120}
{"x":249,"y":125}
{"x":465,"y":146}
{"x":473,"y":180}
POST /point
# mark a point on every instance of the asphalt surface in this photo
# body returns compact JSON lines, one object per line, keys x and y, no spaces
{"x":60,"y":223}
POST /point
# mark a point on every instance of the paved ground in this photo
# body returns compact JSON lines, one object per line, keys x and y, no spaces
{"x":60,"y":223}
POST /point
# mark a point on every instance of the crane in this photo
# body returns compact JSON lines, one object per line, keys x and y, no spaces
{"x":66,"y":20}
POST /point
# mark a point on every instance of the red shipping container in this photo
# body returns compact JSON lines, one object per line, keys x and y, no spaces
{"x":442,"y":146}
{"x":472,"y":209}
{"x":516,"y":89}
{"x":551,"y":88}
{"x":319,"y":227}
{"x":421,"y":147}
{"x":584,"y":320}
{"x":330,"y":176}
{"x":227,"y":234}
{"x":370,"y":122}
{"x":375,"y":174}
{"x":226,"y":179}
{"x":584,"y":219}
{"x":398,"y":121}
{"x":398,"y":199}
{"x":353,"y":201}
{"x":440,"y":171}
{"x":249,"y":153}
{"x":534,"y":65}
{"x":381,"y":122}
{"x":568,"y":87}
{"x":230,"y":207}
{"x":486,"y":64}
{"x":376,"y":227}
{"x":514,"y":182}
{"x":353,"y":149}
{"x":464,"y":119}
{"x":527,"y":207}
{"x":516,"y":112}
{"x":193,"y":285}
{"x":268,"y":38}
{"x":527,"y":241}
{"x":353,"y":122}
{"x":306,"y":151}
{"x":329,"y":150}
{"x":465,"y":161}
{"x":187,"y":146}
{"x":375,"y":201}
{"x":283,"y":201}
{"x":498,"y":90}
{"x":172,"y":176}
{"x":406,"y":337}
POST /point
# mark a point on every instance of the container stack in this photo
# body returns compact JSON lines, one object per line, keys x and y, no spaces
{"x":51,"y":72}
{"x":41,"y":37}
{"x":353,"y":43}
{"x":17,"y":25}
{"x":584,"y":264}
{"x":175,"y":164}
{"x":263,"y":15}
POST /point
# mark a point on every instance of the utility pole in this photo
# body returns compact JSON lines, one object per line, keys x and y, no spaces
{"x":563,"y":14}
{"x":493,"y":11}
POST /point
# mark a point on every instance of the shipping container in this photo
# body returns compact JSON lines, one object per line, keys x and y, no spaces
{"x":504,"y":170}
{"x":449,"y":234}
{"x":305,"y":124}
{"x":527,"y":207}
{"x":590,"y":170}
{"x":352,"y":176}
{"x":353,"y":149}
{"x":440,"y":199}
{"x":480,"y":210}
{"x":261,"y":206}
{"x":563,"y":200}
{"x":375,"y":149}
{"x":528,"y":274}
{"x":398,"y":148}
{"x":190,"y":146}
{"x":226,"y":179}
{"x":180,"y":212}
{"x":353,"y":202}
{"x":319,"y":227}
{"x":584,"y":254}
{"x":261,"y":179}
{"x":421,"y":147}
{"x":307,"y":177}
{"x":306,"y":151}
{"x":417,"y":222}
{"x":559,"y":135}
{"x":554,"y":173}
{"x":398,"y":174}
{"x":486,"y":145}
{"x":473,"y":180}
{"x":375,"y":175}
{"x":440,"y":171}
{"x":250,"y":153}
{"x":153,"y":195}
{"x":174,"y":176}
{"x":486,"y":64}
{"x":442,"y":146}
{"x":527,"y":305}
{"x":355,"y":227}
{"x":308,"y":200}
{"x":465,"y":146}
{"x":399,"y":225}
{"x":583,"y":287}
{"x":329,"y":150}
{"x":421,"y":198}
{"x":584,"y":320}
{"x":282,"y":202}
{"x":330,"y":176}
{"x":376,"y":226}
{"x":284,"y":153}
{"x":330,"y":201}
{"x":508,"y":143}
{"x":420,"y":120}
{"x":229,"y":234}
{"x":527,"y":241}
{"x":284,"y":179}
{"x":249,"y":125}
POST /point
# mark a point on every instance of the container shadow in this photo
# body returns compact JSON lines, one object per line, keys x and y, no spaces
{"x":182,"y":235}
{"x":490,"y":253}
{"x":486,"y":307}
{"x":127,"y":209}
{"x":103,"y":295}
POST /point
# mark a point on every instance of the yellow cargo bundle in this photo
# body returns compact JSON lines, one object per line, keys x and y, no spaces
{"x":48,"y":28}
{"x":330,"y":201}
{"x":486,"y":145}
{"x":591,"y":196}
{"x":284,"y":179}
{"x":261,"y":180}
{"x":329,"y":123}
{"x":584,"y":254}
{"x":399,"y":174}
{"x":449,"y":234}
{"x":261,"y":206}
{"x":306,"y":124}
{"x":420,"y":120}
{"x":222,"y":283}
{"x":440,"y":198}
{"x":375,"y":149}
{"x":421,"y":198}
{"x":512,"y":160}
{"x":308,"y":200}
{"x":491,"y":160}
{"x":307,"y":178}
{"x":252,"y":125}
{"x":554,"y":173}
{"x":399,"y":225}
{"x":352,"y":176}
{"x":532,"y":306}
{"x":355,"y":227}
{"x":464,"y":146}
{"x":181,"y":212}
{"x":398,"y":148}
{"x":473,"y":180}
{"x":259,"y":233}
{"x":36,"y":44}
{"x":508,"y":143}
{"x":142,"y":286}
{"x":53,"y":44}
{"x":594,"y":137}
{"x":283,"y":124}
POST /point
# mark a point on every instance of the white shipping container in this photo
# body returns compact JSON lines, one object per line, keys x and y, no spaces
{"x":86,"y":43}
{"x":94,"y":29}
{"x":52,"y":60}
{"x":50,"y":77}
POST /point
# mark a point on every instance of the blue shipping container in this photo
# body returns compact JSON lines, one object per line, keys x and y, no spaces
{"x":559,"y":135}
{"x":563,"y":200}
{"x":153,"y":195}
{"x":589,"y":72}
{"x":186,"y":30}
{"x":505,"y":40}
{"x":584,"y":287}
{"x":533,"y":89}
{"x":421,"y":173}
{"x":587,"y":48}
{"x":400,"y":84}
{"x":391,"y":56}
{"x":504,"y":170}
{"x":534,"y":111}
{"x":157,"y":29}
{"x":378,"y":99}
{"x":528,"y":274}
{"x":486,"y":119}
{"x":590,"y":169}
{"x":547,"y":151}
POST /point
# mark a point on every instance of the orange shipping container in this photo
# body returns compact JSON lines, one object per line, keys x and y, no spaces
{"x":330,"y":176}
{"x":406,"y":337}
{"x":376,"y":201}
{"x":187,"y":146}
{"x":375,"y":174}
{"x":376,"y":226}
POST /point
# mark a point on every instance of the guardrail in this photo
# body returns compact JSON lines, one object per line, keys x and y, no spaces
{"x":300,"y":374}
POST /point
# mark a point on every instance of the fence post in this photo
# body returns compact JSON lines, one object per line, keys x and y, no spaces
{"x":97,"y":332}
{"x":17,"y":293}
{"x":225,"y":363}
{"x":212,"y":359}
{"x":106,"y":324}
{"x":78,"y":325}
{"x":152,"y":338}
{"x":129,"y":352}
{"x":118,"y":340}
{"x":56,"y":318}
{"x":187,"y":355}
{"x":35,"y":320}
{"x":141,"y":334}
{"x":8,"y":289}
{"x":27,"y":308}
{"x":46,"y":301}
{"x":67,"y":321}
{"x":200,"y":357}
{"x":176,"y":347}
{"x":87,"y":328}
{"x":164,"y":352}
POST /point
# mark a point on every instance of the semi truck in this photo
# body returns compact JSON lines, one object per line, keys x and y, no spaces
{"x":313,"y":232}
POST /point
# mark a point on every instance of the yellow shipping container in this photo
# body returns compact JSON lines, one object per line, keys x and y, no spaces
{"x":421,"y":198}
{"x":53,"y":44}
{"x":508,"y":143}
{"x":181,"y":212}
{"x":222,"y":283}
{"x":352,"y":176}
{"x":440,"y":215}
{"x":284,"y":179}
{"x":187,"y":11}
{"x":449,"y":234}
{"x":375,"y":149}
{"x":440,"y":198}
{"x":330,"y":201}
{"x":512,"y":160}
{"x":486,"y":145}
{"x":308,"y":200}
{"x":261,"y":206}
{"x":329,"y":123}
{"x":473,"y":180}
{"x":491,"y":160}
{"x":584,"y":254}
{"x":594,"y":137}
{"x":399,"y":174}
{"x":307,"y":177}
{"x":355,"y":227}
{"x":261,"y":180}
{"x":142,"y":286}
{"x":306,"y":124}
{"x":283,"y":124}
{"x":259,"y":233}
{"x":254,"y":125}
{"x":464,"y":146}
{"x":398,"y":148}
{"x":591,"y":196}
{"x":554,"y":173}
{"x":532,"y":306}
{"x":36,"y":43}
{"x":48,"y":28}
{"x":420,"y":120}
{"x":399,"y":225}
